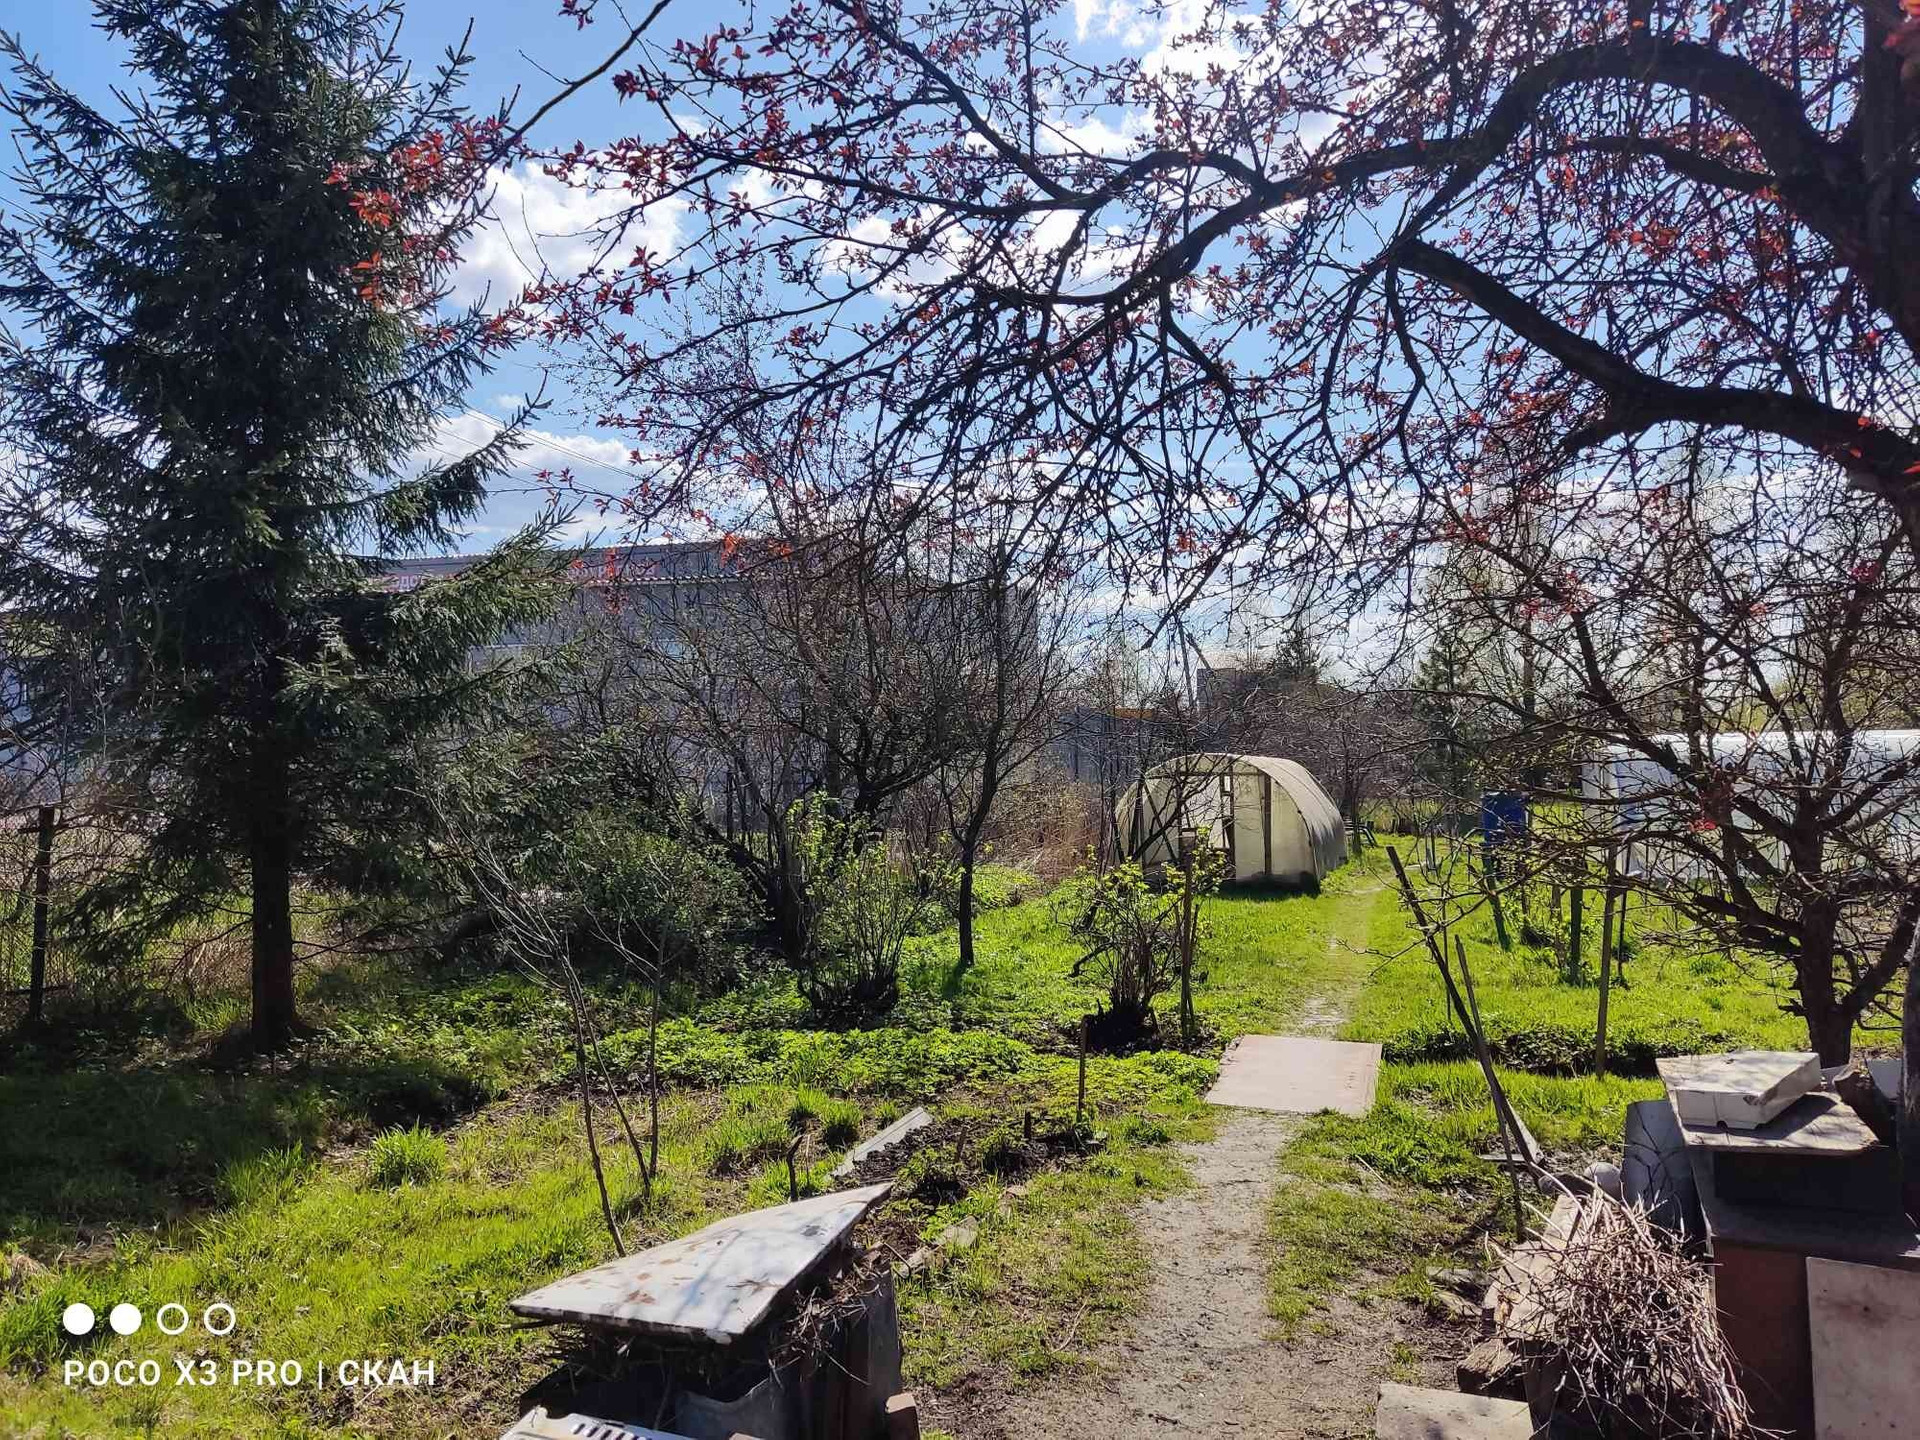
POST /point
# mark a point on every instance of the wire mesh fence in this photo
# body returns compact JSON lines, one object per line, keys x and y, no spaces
{"x":49,"y":861}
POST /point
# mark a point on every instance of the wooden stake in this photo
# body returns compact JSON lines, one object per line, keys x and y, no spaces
{"x":1606,"y":974}
{"x":1080,"y":1100}
{"x":1575,"y":906}
{"x":1503,"y":1116}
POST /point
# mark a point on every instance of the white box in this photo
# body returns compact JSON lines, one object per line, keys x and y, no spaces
{"x":1743,"y":1089}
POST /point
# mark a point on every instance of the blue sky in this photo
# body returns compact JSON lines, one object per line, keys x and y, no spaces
{"x":513,"y":40}
{"x":523,"y":45}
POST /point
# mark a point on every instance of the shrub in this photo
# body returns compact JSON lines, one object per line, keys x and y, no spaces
{"x":745,"y":1140}
{"x":868,"y":910}
{"x":675,"y":903}
{"x":1141,"y":939}
{"x":406,"y":1157}
{"x":839,"y":1124}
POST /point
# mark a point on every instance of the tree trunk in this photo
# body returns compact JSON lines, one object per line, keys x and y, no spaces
{"x":1606,"y":974}
{"x":274,"y":1021}
{"x":1829,"y":1024}
{"x":966,"y":905}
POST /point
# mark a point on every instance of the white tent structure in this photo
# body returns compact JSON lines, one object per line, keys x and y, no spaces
{"x":1269,"y":816}
{"x":1654,"y":813}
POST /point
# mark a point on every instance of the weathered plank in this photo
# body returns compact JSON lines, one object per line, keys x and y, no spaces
{"x":915,"y":1119}
{"x":537,"y":1424}
{"x":1298,"y":1075}
{"x":1865,"y":1322}
{"x":717,"y":1283}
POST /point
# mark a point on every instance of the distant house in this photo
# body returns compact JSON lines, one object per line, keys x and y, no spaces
{"x":1111,"y":748}
{"x":640,"y":584}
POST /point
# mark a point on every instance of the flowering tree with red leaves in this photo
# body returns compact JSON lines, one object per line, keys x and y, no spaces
{"x":1310,"y":287}
{"x":1278,"y":291}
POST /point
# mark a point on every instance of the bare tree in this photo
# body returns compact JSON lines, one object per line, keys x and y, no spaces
{"x":1016,"y":630}
{"x":1727,"y":660}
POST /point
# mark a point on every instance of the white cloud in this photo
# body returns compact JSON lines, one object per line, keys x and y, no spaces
{"x":590,"y":457}
{"x":540,"y":225}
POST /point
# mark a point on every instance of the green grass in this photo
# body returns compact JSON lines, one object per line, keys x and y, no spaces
{"x":1672,"y":1002}
{"x":171,"y":1178}
{"x":406,"y":1157}
{"x":1367,"y":1206}
{"x":421,"y":1164}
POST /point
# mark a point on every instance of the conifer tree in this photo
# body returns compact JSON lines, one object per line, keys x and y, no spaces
{"x":228,"y":341}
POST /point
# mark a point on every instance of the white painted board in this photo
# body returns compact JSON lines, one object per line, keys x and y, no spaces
{"x":717,"y":1283}
{"x":914,"y":1120}
{"x":537,"y":1424}
{"x":1742,"y":1089}
{"x":1865,"y":1321}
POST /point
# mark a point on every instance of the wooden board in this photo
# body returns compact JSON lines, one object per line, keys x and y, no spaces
{"x":914,"y":1120}
{"x":717,"y":1283}
{"x":1741,"y":1088}
{"x":537,"y":1424}
{"x":1407,"y":1412}
{"x":1297,"y":1075}
{"x":1865,"y":1323}
{"x":1813,"y":1126}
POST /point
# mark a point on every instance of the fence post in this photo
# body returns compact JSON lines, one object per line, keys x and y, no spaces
{"x":42,"y":894}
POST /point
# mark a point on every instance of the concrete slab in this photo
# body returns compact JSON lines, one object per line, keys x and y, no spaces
{"x":1407,"y":1412}
{"x":717,"y":1283}
{"x":1864,"y":1319}
{"x":1297,"y":1075}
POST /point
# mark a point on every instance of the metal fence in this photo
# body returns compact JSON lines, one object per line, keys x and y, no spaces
{"x":31,"y":965}
{"x":49,"y":859}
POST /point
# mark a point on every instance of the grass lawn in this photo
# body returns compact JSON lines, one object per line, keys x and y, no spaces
{"x":165,"y":1174}
{"x":169,"y":1176}
{"x":1367,"y":1207}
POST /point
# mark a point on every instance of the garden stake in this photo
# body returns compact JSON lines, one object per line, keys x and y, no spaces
{"x":1606,"y":974}
{"x":1080,"y":1100}
{"x":1502,"y":1113}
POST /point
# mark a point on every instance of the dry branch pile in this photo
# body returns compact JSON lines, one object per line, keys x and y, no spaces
{"x":1622,"y":1324}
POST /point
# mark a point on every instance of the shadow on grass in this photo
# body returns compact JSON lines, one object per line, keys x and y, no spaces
{"x":147,"y":1146}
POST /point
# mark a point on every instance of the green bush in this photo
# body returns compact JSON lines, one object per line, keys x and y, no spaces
{"x":1555,"y":1047}
{"x":867,"y":907}
{"x":406,"y":1157}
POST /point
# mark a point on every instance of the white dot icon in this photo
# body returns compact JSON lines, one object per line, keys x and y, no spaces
{"x":124,"y":1318}
{"x":77,"y":1319}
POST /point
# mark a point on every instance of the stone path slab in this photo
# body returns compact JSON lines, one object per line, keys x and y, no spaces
{"x":1409,"y":1413}
{"x":1297,"y":1075}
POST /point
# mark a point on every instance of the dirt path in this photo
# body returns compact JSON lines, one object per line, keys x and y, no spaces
{"x":1202,"y":1360}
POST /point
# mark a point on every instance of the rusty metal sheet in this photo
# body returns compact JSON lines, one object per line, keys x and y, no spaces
{"x":717,"y":1283}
